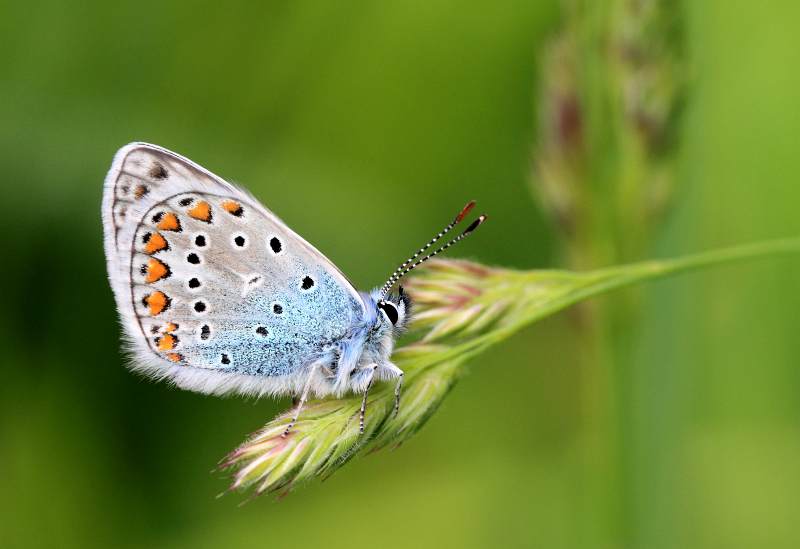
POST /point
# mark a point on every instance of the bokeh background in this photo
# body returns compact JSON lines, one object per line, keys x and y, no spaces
{"x":365,"y":125}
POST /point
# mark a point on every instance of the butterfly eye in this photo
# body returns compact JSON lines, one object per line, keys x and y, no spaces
{"x":390,"y":310}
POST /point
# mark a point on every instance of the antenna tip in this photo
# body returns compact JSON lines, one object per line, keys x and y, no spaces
{"x":464,"y":211}
{"x":474,"y":225}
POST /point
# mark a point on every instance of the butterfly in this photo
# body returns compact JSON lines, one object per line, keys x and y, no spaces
{"x":217,"y":295}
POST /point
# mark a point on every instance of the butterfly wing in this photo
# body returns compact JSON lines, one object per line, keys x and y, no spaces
{"x":215,"y":292}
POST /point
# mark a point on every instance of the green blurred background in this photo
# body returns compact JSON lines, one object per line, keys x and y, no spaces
{"x":365,"y":125}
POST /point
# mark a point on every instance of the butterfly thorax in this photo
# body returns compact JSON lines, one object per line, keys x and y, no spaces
{"x":368,"y":345}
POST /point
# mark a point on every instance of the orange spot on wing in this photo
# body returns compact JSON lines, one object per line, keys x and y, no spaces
{"x":156,"y":270}
{"x":202,"y":211}
{"x":169,"y":222}
{"x":156,"y":243}
{"x":139,"y":191}
{"x":170,"y":327}
{"x":232,"y":207}
{"x":167,"y":342}
{"x":157,"y":302}
{"x":175,"y":357}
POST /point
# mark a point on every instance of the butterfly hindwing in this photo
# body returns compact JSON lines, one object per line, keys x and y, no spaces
{"x":215,"y":291}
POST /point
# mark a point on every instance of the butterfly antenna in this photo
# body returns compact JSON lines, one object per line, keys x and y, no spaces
{"x":409,"y":264}
{"x":397,"y":273}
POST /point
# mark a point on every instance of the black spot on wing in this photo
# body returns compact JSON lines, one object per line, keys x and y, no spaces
{"x":158,"y":171}
{"x":275,"y":244}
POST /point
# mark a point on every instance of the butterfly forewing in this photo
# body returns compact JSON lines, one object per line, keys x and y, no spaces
{"x":209,"y":280}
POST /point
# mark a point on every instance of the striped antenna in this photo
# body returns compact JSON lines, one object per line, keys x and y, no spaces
{"x":396,"y":274}
{"x":409,"y":264}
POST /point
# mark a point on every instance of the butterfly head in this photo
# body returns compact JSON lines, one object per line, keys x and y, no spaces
{"x":395,"y":310}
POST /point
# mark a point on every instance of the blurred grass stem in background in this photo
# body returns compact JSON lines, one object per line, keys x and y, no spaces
{"x":611,"y":94}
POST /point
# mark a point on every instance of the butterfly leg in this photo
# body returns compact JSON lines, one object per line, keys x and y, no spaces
{"x":364,"y":400}
{"x":398,"y":373}
{"x":397,"y":389}
{"x":302,"y":402}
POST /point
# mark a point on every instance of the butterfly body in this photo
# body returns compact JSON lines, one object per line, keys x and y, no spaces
{"x":218,"y":295}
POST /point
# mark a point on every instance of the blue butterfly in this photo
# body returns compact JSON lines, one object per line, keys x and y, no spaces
{"x":217,"y":295}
